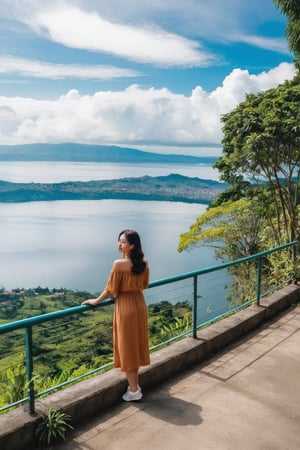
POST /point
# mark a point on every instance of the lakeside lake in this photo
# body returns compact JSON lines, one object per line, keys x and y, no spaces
{"x":56,"y":172}
{"x":72,"y":244}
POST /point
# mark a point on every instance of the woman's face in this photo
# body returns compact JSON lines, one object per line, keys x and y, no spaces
{"x":123,"y":245}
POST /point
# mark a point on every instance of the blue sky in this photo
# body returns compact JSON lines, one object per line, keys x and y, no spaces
{"x":150,"y":74}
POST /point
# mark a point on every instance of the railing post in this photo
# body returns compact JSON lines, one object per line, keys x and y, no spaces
{"x":29,"y":368}
{"x":294,"y":247}
{"x":258,"y":286}
{"x":195,"y":307}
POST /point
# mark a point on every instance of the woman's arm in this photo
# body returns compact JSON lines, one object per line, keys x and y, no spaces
{"x":94,"y":301}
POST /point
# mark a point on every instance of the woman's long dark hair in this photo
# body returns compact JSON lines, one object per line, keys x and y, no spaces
{"x":136,"y":253}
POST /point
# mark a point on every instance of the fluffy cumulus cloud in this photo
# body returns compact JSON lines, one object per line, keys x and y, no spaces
{"x":133,"y":116}
{"x":49,"y":47}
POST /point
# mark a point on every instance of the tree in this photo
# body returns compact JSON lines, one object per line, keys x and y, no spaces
{"x":260,"y":210}
{"x":291,"y":8}
{"x":232,"y":228}
{"x":261,"y":144}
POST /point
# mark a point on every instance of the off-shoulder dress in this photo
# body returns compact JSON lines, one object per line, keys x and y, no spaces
{"x":130,"y":324}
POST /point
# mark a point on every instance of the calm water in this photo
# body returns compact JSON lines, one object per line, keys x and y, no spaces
{"x":55,"y":172}
{"x":72,"y":243}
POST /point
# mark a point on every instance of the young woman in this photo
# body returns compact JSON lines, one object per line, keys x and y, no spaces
{"x":128,"y":278}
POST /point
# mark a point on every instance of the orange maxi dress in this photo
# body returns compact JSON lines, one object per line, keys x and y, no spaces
{"x":130,"y":324}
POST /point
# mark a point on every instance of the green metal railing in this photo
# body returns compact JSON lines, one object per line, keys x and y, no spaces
{"x":29,"y":323}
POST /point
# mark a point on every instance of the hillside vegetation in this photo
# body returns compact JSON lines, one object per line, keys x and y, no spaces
{"x":69,"y":346}
{"x":165,"y":188}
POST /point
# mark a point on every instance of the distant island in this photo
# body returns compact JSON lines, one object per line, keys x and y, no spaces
{"x":94,"y":153}
{"x":173,"y":187}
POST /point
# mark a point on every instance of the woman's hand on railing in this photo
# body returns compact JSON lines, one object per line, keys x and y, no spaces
{"x":91,"y":302}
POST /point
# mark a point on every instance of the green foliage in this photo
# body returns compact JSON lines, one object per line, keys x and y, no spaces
{"x":262,"y":142}
{"x":45,"y":382}
{"x":68,"y":347}
{"x":177,"y":327}
{"x":171,"y":187}
{"x":291,"y":8}
{"x":14,"y":381}
{"x":167,"y":321}
{"x":281,"y":265}
{"x":261,"y":208}
{"x":244,"y":284}
{"x":52,"y":427}
{"x":234,"y":224}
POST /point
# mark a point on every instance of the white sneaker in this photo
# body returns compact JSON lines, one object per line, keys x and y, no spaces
{"x":132,"y":396}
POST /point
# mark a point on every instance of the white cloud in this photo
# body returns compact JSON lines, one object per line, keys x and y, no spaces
{"x":133,"y":116}
{"x":39,"y":69}
{"x":130,"y":31}
{"x":157,"y":32}
{"x":274,"y":44}
{"x":240,"y":82}
{"x":76,"y":28}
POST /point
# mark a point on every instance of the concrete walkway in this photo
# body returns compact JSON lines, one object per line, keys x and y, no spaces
{"x":245,"y":398}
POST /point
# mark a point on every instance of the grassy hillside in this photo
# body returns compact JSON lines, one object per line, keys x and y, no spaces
{"x":68,"y":346}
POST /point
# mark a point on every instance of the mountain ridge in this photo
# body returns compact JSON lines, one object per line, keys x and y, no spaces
{"x":94,"y":153}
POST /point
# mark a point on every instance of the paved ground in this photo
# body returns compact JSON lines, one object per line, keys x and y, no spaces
{"x":245,"y":398}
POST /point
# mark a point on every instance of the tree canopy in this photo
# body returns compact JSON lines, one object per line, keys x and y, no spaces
{"x":291,"y":8}
{"x":261,"y":162}
{"x":262,"y":143}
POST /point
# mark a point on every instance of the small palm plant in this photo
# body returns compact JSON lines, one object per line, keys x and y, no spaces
{"x":16,"y":382}
{"x":179,"y":326}
{"x":53,"y":427}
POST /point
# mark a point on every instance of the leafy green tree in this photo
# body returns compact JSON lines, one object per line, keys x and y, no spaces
{"x":291,"y":8}
{"x":232,"y":228}
{"x":261,"y":162}
{"x":261,"y":144}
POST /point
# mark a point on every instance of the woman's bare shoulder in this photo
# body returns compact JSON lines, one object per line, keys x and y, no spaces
{"x":122,"y":264}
